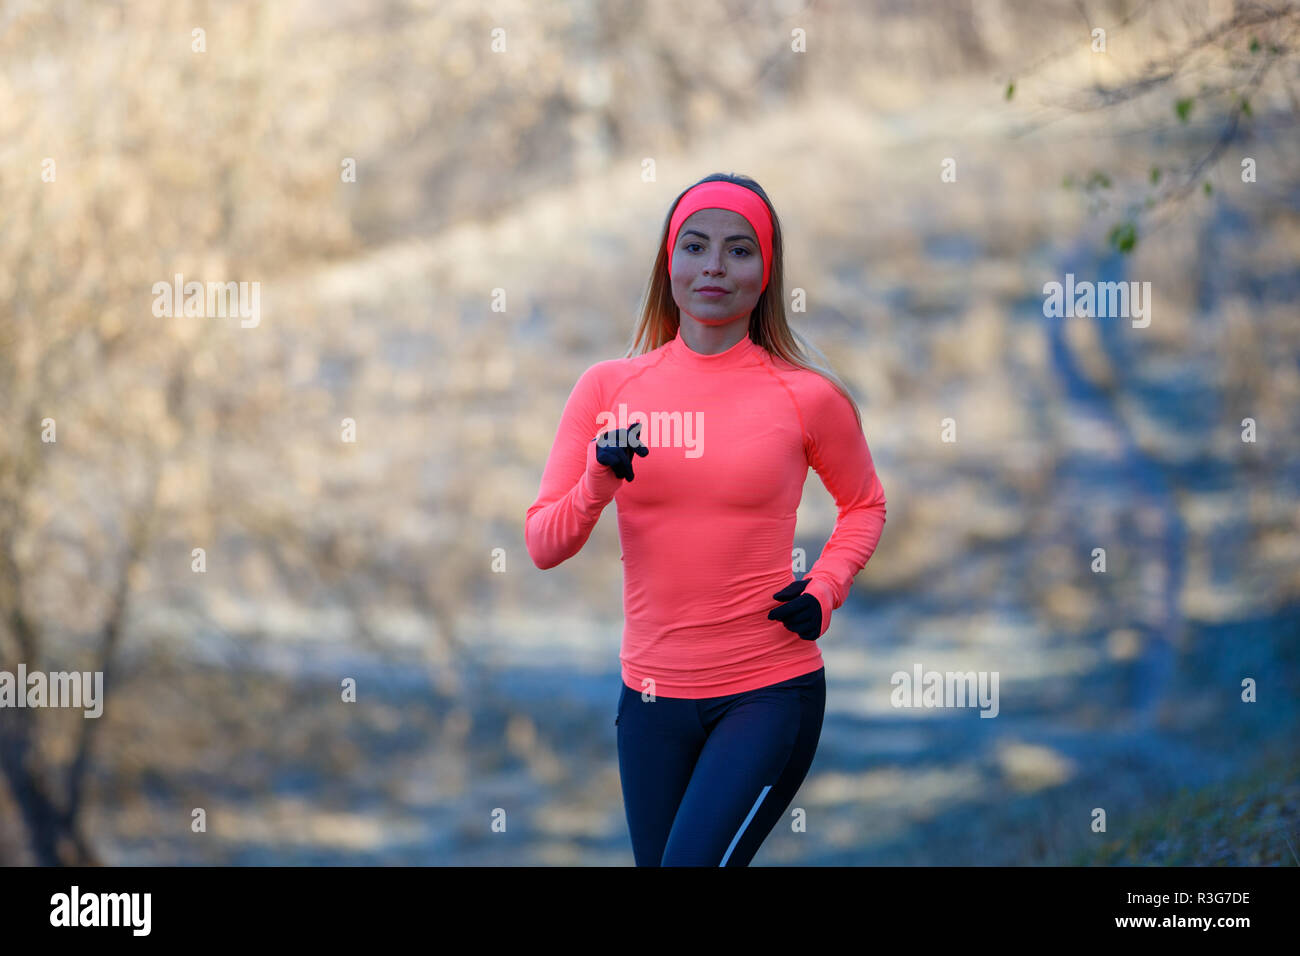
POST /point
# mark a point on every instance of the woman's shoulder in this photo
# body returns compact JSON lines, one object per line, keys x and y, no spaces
{"x":807,"y":383}
{"x":613,"y":370}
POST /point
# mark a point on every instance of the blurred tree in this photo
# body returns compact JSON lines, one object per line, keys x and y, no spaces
{"x":1253,"y":42}
{"x":177,"y":168}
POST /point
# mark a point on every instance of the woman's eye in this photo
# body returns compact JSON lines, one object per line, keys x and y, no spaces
{"x":690,"y":246}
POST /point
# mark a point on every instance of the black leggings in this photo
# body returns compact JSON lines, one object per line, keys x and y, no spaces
{"x":705,"y":780}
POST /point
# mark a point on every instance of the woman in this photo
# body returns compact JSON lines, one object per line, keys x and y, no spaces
{"x":703,"y":433}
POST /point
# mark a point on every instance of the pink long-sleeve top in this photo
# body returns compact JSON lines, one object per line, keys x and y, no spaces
{"x":707,"y":524}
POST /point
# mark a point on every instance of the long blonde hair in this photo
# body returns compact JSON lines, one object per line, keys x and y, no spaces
{"x":659,"y":317}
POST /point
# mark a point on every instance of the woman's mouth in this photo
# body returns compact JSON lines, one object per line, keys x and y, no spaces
{"x":711,"y":292}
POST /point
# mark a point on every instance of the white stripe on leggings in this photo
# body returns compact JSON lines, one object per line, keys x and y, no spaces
{"x":736,"y":838}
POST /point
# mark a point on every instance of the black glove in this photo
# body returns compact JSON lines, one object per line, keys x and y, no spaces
{"x":615,"y":449}
{"x":801,"y":613}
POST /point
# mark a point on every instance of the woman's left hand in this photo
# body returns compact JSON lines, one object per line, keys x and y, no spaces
{"x":801,"y":613}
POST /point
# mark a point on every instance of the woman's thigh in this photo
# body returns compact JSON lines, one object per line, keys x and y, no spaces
{"x":751,"y":764}
{"x":659,"y":742}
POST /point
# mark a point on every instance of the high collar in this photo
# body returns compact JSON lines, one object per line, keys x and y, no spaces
{"x":744,"y":352}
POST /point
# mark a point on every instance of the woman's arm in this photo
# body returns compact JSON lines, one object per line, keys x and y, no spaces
{"x":837,"y":451}
{"x":575,"y":487}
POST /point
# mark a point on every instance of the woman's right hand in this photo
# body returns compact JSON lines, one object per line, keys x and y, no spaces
{"x":615,"y":449}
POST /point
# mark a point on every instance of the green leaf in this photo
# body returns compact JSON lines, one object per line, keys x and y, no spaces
{"x":1068,"y":181}
{"x":1098,"y":178}
{"x":1155,"y":175}
{"x":1245,"y":106}
{"x":1123,"y":236}
{"x":1254,"y":44}
{"x":1183,"y":107}
{"x":1208,"y":187}
{"x":1011,"y":88}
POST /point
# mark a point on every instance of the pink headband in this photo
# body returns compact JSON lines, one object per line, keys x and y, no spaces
{"x":719,"y":194}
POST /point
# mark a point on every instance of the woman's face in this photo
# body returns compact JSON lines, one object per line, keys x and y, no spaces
{"x":718,"y":248}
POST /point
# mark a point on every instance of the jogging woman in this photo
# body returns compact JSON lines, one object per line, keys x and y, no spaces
{"x":703,"y":434}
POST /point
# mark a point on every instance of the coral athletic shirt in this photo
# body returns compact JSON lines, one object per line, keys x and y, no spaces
{"x":707,"y":523}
